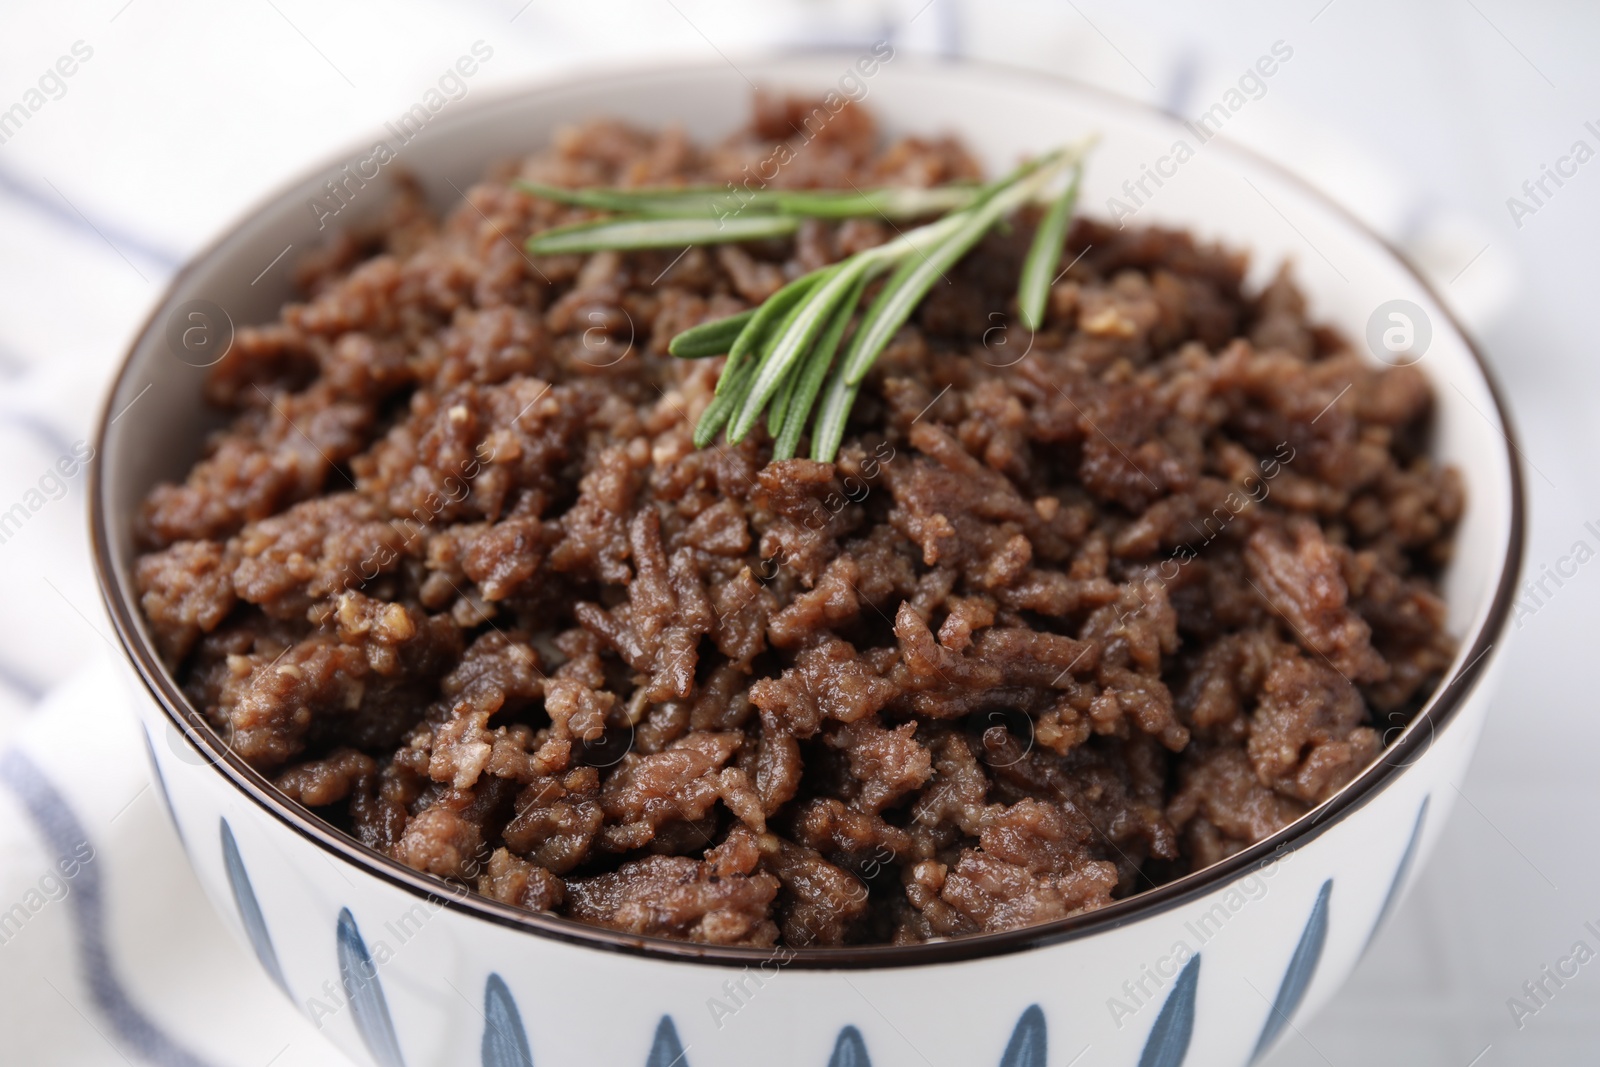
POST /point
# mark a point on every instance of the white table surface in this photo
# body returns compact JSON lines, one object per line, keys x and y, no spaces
{"x":1424,"y":117}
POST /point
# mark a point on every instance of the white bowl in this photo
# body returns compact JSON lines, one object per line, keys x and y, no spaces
{"x":396,"y":967}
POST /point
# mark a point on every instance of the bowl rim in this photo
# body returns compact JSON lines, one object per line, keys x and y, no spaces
{"x":1437,"y":713}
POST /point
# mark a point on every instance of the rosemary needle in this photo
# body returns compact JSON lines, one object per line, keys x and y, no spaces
{"x":789,"y":345}
{"x":916,"y":276}
{"x":622,"y":234}
{"x":702,"y":201}
{"x":710,"y":338}
{"x":812,"y":374}
{"x":755,"y":331}
{"x":1044,"y":255}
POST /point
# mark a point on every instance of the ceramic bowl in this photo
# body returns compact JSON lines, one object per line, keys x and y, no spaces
{"x":1211,"y":969}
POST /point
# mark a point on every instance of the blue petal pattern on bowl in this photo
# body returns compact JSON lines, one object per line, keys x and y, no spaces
{"x":666,"y":1050}
{"x":1407,"y":858}
{"x":850,"y":1050}
{"x":1029,"y":1039}
{"x":505,"y":1042}
{"x":1297,"y":979}
{"x":364,"y":991}
{"x":161,"y":786}
{"x":244,"y":897}
{"x":1168,"y":1043}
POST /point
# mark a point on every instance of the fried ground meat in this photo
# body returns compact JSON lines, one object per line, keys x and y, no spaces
{"x":1053,"y":629}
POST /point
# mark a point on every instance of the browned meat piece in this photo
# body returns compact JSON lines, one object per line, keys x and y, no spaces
{"x":667,"y":611}
{"x":273,"y":456}
{"x":1222,"y":806}
{"x":314,"y":550}
{"x":316,"y":783}
{"x":185,"y":590}
{"x":820,"y":903}
{"x":513,"y":880}
{"x":889,"y":764}
{"x":357,"y":692}
{"x":676,"y":785}
{"x":675,"y":896}
{"x":1303,"y":580}
{"x":442,"y":841}
{"x":828,"y":681}
{"x":1031,"y":868}
{"x":557,"y":818}
{"x":1309,"y":734}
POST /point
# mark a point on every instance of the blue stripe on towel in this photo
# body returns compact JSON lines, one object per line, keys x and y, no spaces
{"x":64,"y":835}
{"x":63,"y":213}
{"x":20,"y":683}
{"x":52,"y":438}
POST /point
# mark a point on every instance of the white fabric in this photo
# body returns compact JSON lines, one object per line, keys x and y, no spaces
{"x":1422,"y":118}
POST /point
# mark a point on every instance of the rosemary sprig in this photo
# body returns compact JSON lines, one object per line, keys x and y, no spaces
{"x":790,"y":354}
{"x":710,"y":201}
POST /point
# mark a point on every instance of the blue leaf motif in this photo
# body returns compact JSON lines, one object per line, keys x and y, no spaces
{"x":1407,"y":858}
{"x":244,"y":897}
{"x":1028,"y":1040}
{"x":359,"y":976}
{"x":1168,"y":1042}
{"x":1297,"y":979}
{"x":666,"y":1050}
{"x":850,"y":1050}
{"x":161,"y":787}
{"x":505,"y":1042}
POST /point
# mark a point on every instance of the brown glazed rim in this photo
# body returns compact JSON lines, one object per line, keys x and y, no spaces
{"x":1418,"y":736}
